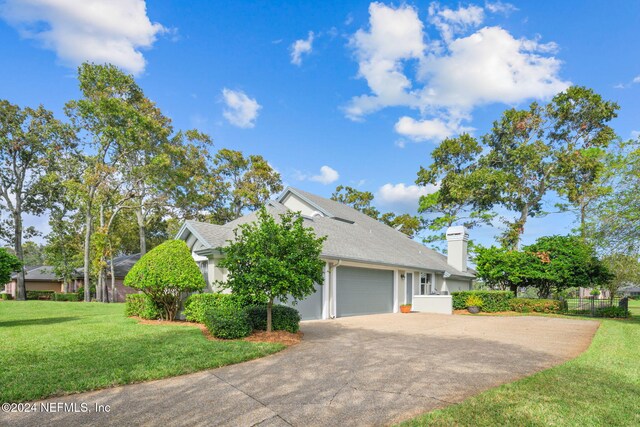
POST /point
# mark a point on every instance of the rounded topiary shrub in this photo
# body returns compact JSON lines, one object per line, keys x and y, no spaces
{"x":228,"y":322}
{"x":164,"y":274}
{"x":284,"y":318}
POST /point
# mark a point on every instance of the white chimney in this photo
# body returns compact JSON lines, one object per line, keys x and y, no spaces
{"x":457,"y":238}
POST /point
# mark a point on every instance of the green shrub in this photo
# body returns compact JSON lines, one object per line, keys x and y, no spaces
{"x":197,"y":305}
{"x":65,"y":296}
{"x":228,"y":322}
{"x":80,"y":292}
{"x":594,"y":292}
{"x":6,"y":296}
{"x":474,"y":301}
{"x":616,"y":312}
{"x":528,"y":305}
{"x":40,"y":294}
{"x":165,"y":273}
{"x":492,"y":301}
{"x":283,"y":318}
{"x":140,"y":305}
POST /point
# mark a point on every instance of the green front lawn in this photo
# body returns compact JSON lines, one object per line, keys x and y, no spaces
{"x":53,"y":348}
{"x":600,"y":387}
{"x":634,"y":307}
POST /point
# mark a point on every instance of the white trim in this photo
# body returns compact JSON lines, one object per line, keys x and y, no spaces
{"x":326,"y":288}
{"x":396,"y":283}
{"x":334,"y":285}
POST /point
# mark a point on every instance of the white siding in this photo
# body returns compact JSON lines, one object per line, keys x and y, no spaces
{"x":297,"y":205}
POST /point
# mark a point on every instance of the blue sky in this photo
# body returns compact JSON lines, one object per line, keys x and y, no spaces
{"x":352,"y":93}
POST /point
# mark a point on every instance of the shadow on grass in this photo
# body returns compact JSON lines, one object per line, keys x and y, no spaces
{"x":44,"y":321}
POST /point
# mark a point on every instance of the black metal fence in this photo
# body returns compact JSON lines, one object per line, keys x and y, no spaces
{"x":593,"y":306}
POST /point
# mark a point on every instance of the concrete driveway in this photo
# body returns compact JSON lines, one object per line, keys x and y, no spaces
{"x":367,"y":370}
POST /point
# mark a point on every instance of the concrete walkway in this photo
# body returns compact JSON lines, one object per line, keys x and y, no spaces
{"x":367,"y":370}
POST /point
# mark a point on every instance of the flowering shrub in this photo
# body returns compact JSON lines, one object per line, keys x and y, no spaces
{"x":527,"y":305}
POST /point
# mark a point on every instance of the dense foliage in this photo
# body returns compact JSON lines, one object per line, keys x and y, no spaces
{"x":528,"y":305}
{"x":613,"y":312}
{"x":9,"y":263}
{"x":272,"y":259}
{"x":228,"y":322}
{"x":284,"y":318}
{"x":164,"y":273}
{"x":72,"y":296}
{"x":197,"y":306}
{"x":492,"y":301}
{"x":141,"y":305}
{"x":550,"y":265}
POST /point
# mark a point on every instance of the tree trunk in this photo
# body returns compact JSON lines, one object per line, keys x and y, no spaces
{"x":583,"y":220}
{"x":113,"y":280}
{"x":514,"y":289}
{"x":269,"y":305}
{"x":21,"y":290}
{"x":141,"y":230}
{"x":87,"y":252}
{"x":99,"y":285}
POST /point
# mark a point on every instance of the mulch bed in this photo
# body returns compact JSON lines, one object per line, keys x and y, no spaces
{"x":282,"y":337}
{"x":482,"y":313}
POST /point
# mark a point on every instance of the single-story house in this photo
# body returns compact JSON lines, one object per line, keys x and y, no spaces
{"x":121,"y":266}
{"x":630,"y":291}
{"x":40,"y":278}
{"x":369,"y":266}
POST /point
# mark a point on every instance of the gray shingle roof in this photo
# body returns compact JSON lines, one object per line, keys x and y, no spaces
{"x":40,"y":273}
{"x":359,"y":238}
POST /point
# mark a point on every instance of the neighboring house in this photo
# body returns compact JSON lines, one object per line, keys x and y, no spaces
{"x":586,"y":293}
{"x":121,"y":266}
{"x":39,"y":278}
{"x":369,"y":266}
{"x":630,"y":291}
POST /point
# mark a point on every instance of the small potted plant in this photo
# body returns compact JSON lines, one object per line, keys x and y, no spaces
{"x":405,"y":308}
{"x":474,"y":304}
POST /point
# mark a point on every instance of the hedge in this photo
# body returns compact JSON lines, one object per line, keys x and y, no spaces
{"x":40,"y":294}
{"x":527,"y":305}
{"x":197,"y":306}
{"x":615,"y":312}
{"x":65,"y":296}
{"x":140,"y":305}
{"x":6,"y":296}
{"x":80,"y":292}
{"x":228,"y":322}
{"x":492,"y":301}
{"x":283,"y":318}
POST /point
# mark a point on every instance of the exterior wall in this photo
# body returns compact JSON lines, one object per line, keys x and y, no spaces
{"x":439,"y":304}
{"x":121,"y":290}
{"x":297,"y":205}
{"x":454,"y":285}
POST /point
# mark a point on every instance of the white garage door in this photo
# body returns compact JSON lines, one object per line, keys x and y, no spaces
{"x":363,"y":291}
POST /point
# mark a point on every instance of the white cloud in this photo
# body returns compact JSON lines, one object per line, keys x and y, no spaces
{"x":99,"y":31}
{"x":635,"y":134}
{"x":500,"y":7}
{"x":241,"y":110}
{"x":428,"y":129}
{"x":401,"y":197}
{"x":395,"y":34}
{"x":636,"y":79}
{"x":467,"y":68}
{"x":450,"y":22}
{"x":327,"y":175}
{"x":300,"y":48}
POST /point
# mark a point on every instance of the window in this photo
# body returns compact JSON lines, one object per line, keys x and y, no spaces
{"x":204,"y":269}
{"x":425,"y":284}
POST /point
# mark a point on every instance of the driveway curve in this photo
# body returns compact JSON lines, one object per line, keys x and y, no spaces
{"x":366,"y":370}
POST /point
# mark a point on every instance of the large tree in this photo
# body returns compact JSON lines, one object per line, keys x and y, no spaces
{"x":526,"y":155}
{"x":362,"y":200}
{"x":249,"y":181}
{"x":8,"y":264}
{"x":271,"y":259}
{"x":32,"y":142}
{"x":115,"y":121}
